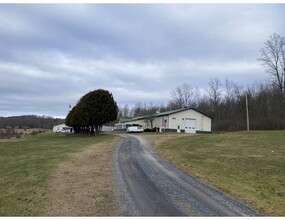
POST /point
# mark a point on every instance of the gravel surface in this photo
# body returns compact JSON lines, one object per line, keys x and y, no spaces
{"x":151,"y":186}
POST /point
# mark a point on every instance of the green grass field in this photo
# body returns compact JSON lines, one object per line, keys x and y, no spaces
{"x":26,"y":165}
{"x":249,"y":166}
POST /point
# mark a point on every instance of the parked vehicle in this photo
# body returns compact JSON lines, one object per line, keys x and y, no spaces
{"x":64,"y":130}
{"x":134,"y":129}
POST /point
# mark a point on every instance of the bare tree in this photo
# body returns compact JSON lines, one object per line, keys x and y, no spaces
{"x":229,"y":93}
{"x":182,"y":95}
{"x":273,"y":58}
{"x":215,"y":93}
{"x":215,"y":90}
{"x":177,"y":95}
{"x":149,"y":121}
{"x":232,"y":91}
{"x":126,"y":111}
{"x":196,"y":97}
{"x":137,"y":110}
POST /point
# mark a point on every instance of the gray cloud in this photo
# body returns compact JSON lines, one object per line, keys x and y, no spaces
{"x":51,"y":55}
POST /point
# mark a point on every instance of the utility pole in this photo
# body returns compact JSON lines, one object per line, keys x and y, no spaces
{"x":247,"y":116}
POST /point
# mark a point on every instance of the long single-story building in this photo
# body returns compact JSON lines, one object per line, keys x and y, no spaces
{"x":188,"y":120}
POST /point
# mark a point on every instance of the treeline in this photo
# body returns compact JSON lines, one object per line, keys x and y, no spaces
{"x":30,"y":121}
{"x":225,"y":102}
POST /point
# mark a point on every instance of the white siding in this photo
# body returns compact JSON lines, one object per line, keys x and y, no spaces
{"x":158,"y":122}
{"x":143,"y":123}
{"x":203,"y":122}
{"x":59,"y":127}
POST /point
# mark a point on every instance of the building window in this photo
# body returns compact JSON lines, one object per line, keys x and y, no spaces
{"x":174,"y":118}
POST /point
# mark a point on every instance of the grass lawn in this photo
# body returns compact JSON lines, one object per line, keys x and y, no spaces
{"x":27,"y":165}
{"x":249,"y":166}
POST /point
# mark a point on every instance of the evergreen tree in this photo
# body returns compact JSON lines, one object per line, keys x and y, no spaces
{"x":93,"y":110}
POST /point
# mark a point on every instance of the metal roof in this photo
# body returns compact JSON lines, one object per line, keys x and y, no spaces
{"x":124,"y":120}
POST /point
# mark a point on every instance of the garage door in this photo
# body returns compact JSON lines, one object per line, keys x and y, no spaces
{"x":190,"y":126}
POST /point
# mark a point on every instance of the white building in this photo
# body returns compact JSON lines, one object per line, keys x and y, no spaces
{"x":188,"y":120}
{"x":62,"y":128}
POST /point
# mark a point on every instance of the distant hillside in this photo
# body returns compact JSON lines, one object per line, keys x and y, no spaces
{"x":30,"y":121}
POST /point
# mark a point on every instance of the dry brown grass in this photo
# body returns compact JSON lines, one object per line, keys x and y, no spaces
{"x":11,"y":133}
{"x":85,"y":185}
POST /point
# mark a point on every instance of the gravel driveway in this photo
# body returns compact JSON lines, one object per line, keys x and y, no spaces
{"x":152,"y":187}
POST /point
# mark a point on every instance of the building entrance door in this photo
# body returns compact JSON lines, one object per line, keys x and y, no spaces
{"x":190,"y":126}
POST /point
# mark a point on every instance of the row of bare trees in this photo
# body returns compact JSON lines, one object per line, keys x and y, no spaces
{"x":29,"y":121}
{"x":225,"y":101}
{"x":227,"y":106}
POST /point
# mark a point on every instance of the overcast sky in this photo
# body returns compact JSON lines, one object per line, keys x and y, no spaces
{"x":51,"y":55}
